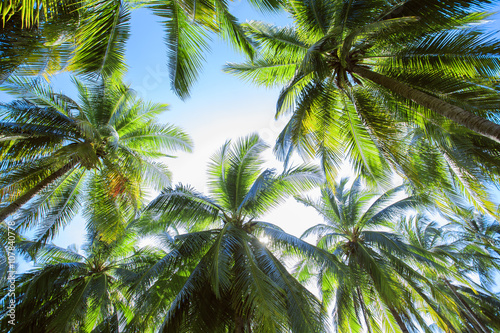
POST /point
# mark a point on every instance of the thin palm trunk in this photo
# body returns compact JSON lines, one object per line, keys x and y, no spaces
{"x":15,"y":205}
{"x":400,"y":322}
{"x":465,"y":118}
{"x":239,"y":324}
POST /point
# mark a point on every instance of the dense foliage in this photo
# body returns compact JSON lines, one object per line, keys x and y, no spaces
{"x":395,"y":87}
{"x":99,"y":151}
{"x":409,"y":86}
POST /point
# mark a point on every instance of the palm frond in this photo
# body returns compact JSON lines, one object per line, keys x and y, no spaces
{"x":186,"y":44}
{"x":101,"y":38}
{"x":184,"y":204}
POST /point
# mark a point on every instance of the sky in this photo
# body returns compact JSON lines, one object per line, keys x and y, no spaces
{"x":221,"y":107}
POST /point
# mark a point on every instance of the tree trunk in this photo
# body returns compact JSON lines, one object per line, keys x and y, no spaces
{"x":400,"y":322}
{"x":460,"y":116}
{"x":239,"y":324}
{"x":16,"y":204}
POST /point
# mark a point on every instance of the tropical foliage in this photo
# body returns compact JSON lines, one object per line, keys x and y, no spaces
{"x":377,"y":270}
{"x":467,"y":300}
{"x":73,"y":292}
{"x":37,"y":40}
{"x":58,"y":154}
{"x":377,"y":260}
{"x":234,"y":282}
{"x":395,"y":280}
{"x":405,"y":86}
{"x":89,"y":37}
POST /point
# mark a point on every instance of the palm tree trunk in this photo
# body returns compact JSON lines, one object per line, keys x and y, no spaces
{"x":15,"y":205}
{"x":460,"y":116}
{"x":239,"y":324}
{"x":400,"y":322}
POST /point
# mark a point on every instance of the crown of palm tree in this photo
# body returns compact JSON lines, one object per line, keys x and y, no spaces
{"x":466,"y":304}
{"x":384,"y":84}
{"x":36,"y":37}
{"x":399,"y":269}
{"x":381,"y":289}
{"x":72,"y":292}
{"x":477,"y":238}
{"x":57,"y":152}
{"x":228,"y":279}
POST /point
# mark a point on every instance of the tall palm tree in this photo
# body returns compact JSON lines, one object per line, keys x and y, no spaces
{"x":382,"y":290}
{"x":72,"y":292}
{"x":96,"y":41}
{"x":220,"y":275}
{"x":57,"y":152}
{"x":471,"y":306}
{"x":477,"y":230}
{"x":382,"y":82}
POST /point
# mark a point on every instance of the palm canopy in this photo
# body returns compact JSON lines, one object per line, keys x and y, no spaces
{"x":387,"y":84}
{"x":381,"y":289}
{"x":234,"y":282}
{"x":28,"y":49}
{"x":89,"y":37}
{"x":32,"y":13}
{"x":464,"y":244}
{"x":72,"y":292}
{"x":477,"y":236}
{"x":58,"y":153}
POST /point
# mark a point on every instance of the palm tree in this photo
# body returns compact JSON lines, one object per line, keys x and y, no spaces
{"x":382,"y":82}
{"x":472,"y":307}
{"x":57,"y":152}
{"x":220,"y":276}
{"x":73,"y":292}
{"x":381,"y":290}
{"x":95,"y":42}
{"x":479,"y":231}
